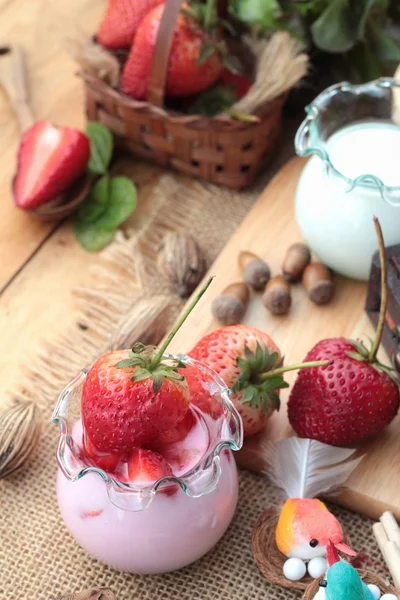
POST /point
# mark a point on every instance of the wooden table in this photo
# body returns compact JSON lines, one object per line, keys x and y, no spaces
{"x":39,"y":261}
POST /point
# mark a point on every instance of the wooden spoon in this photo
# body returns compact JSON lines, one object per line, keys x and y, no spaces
{"x":13,"y":78}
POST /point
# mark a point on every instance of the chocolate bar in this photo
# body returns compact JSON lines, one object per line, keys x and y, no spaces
{"x":391,"y":333}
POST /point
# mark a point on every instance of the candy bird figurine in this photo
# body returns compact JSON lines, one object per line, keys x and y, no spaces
{"x":303,"y":469}
{"x":342,"y":580}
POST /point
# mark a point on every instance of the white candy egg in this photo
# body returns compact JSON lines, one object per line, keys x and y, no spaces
{"x":294,"y":569}
{"x":376,"y":592}
{"x":320,"y":595}
{"x":317,"y":566}
{"x":389,"y":597}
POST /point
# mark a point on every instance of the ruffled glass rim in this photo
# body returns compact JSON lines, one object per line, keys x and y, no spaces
{"x":308,"y":131}
{"x":201,"y":479}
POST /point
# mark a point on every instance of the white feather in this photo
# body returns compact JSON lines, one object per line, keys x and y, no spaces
{"x":306,"y":468}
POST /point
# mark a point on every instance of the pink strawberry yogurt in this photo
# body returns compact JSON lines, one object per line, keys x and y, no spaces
{"x":159,"y":527}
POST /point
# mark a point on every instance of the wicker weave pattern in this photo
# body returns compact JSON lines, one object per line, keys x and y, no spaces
{"x":221,"y":150}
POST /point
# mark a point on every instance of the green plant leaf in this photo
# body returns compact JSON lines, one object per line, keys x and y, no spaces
{"x":95,"y":204}
{"x":385,"y":47}
{"x":92,"y":237}
{"x":206,"y":51}
{"x":263,"y":14}
{"x":335,"y":30}
{"x":122,"y":200}
{"x":371,"y":8}
{"x":101,"y":147}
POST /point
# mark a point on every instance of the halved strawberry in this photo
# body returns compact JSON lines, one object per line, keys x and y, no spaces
{"x":121,"y":19}
{"x":50,"y":160}
{"x":106,"y":461}
{"x":146,"y":466}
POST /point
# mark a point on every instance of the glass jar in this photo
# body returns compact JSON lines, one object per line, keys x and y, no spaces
{"x":159,"y":527}
{"x":353,"y":133}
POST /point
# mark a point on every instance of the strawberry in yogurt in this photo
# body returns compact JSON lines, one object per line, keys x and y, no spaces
{"x":146,"y":479}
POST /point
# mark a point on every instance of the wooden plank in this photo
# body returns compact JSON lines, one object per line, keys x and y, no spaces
{"x":42,"y":28}
{"x":268,"y":230}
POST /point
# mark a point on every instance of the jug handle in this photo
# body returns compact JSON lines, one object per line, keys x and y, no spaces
{"x":302,"y":138}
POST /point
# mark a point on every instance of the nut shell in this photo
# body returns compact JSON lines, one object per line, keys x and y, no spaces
{"x":277,"y":297}
{"x":19,"y":435}
{"x":297,"y":258}
{"x":182,"y":262}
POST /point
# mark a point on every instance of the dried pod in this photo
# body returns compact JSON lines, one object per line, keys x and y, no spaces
{"x":277,"y":297}
{"x":297,"y":258}
{"x":229,"y":307}
{"x":20,"y":427}
{"x":182,"y":262}
{"x":146,"y":322}
{"x":317,"y":281}
{"x":255,"y":271}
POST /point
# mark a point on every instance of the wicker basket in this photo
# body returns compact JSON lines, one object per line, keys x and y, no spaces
{"x":222,"y":150}
{"x":366,"y":576}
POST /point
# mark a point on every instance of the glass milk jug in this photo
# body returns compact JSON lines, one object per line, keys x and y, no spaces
{"x":353,"y":135}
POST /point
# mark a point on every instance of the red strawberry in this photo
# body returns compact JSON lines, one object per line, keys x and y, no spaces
{"x":130,"y":397}
{"x":240,"y":84}
{"x":249,"y":362}
{"x":345,"y":402}
{"x":178,"y":433}
{"x":121,"y":413}
{"x":121,"y":20}
{"x":50,"y":159}
{"x":353,"y":398}
{"x":230,"y":351}
{"x":107,"y":462}
{"x":145,"y":466}
{"x":185,"y":75}
{"x":200,"y":394}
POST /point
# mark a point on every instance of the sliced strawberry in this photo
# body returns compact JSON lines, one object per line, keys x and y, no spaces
{"x":50,"y":159}
{"x":106,"y":461}
{"x":145,"y":466}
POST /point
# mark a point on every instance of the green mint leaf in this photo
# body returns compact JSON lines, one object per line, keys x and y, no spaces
{"x":95,"y":204}
{"x":122,"y":202}
{"x":263,"y":14}
{"x":92,"y":237}
{"x":335,"y":29}
{"x":101,"y":147}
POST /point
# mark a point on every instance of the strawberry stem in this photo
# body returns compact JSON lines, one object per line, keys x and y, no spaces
{"x":384,"y":297}
{"x":281,"y":370}
{"x":158,"y":357}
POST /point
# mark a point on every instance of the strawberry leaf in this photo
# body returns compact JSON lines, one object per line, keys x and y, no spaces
{"x":275,"y":400}
{"x":158,"y":378}
{"x":101,"y":147}
{"x":206,"y":51}
{"x":140,"y":374}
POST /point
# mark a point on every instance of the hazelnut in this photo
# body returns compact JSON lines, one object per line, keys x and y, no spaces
{"x":277,"y":297}
{"x":230,"y":306}
{"x":297,"y":258}
{"x":317,"y":281}
{"x":255,"y":271}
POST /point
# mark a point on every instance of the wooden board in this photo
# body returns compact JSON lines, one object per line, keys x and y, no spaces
{"x":268,"y":230}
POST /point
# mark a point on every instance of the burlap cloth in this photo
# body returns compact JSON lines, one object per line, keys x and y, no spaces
{"x":38,"y":557}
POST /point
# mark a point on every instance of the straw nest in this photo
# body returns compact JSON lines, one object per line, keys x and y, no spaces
{"x":366,"y":576}
{"x":269,"y":559}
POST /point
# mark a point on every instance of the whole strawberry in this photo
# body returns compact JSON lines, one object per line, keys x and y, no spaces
{"x":121,"y":20}
{"x":352,"y":399}
{"x":132,"y":397}
{"x":194,"y":61}
{"x":250,"y":363}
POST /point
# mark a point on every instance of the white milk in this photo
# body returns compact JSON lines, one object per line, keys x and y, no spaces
{"x":368,"y":148}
